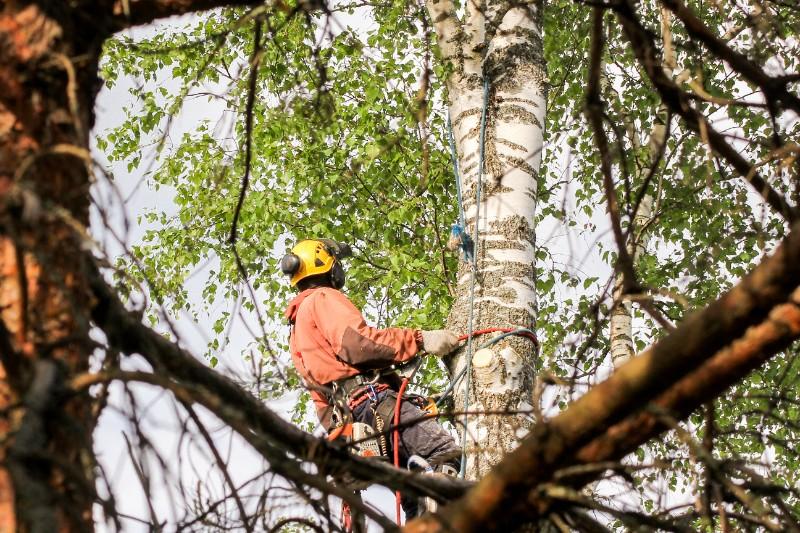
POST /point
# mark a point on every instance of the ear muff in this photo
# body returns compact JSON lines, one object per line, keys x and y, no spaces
{"x":290,"y":264}
{"x":339,"y":250}
{"x":337,"y":275}
{"x":344,"y":250}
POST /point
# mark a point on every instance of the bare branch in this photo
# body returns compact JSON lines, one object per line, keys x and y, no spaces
{"x":594,"y":111}
{"x":136,"y":12}
{"x":774,"y":88}
{"x":265,"y":430}
{"x":255,"y":61}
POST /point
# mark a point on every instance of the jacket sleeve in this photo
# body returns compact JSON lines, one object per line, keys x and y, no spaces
{"x":323,"y":408}
{"x":356,"y":343}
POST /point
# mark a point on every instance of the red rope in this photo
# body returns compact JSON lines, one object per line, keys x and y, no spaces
{"x":499,"y":330}
{"x":396,"y":440}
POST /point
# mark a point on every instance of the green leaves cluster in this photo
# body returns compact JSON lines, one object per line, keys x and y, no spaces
{"x":337,"y":153}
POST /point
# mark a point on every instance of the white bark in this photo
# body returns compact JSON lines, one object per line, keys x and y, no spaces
{"x":621,"y":320}
{"x":503,"y":44}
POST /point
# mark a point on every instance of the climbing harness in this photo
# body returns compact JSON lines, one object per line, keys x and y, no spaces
{"x":360,"y":436}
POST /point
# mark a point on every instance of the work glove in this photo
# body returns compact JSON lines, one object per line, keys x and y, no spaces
{"x":439,"y":341}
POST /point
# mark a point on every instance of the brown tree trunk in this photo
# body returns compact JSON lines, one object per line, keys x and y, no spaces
{"x":49,"y":53}
{"x":47,"y":86}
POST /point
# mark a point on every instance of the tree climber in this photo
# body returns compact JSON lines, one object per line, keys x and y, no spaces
{"x":345,"y":363}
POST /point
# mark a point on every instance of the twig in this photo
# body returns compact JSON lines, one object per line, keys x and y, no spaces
{"x":222,"y":465}
{"x":594,"y":107}
{"x":255,"y":60}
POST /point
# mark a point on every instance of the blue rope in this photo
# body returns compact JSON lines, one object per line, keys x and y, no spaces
{"x":454,"y":158}
{"x":458,"y":232}
{"x":468,"y":366}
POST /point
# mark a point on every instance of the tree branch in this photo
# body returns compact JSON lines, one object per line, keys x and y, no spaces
{"x":136,"y":12}
{"x":594,"y":112}
{"x":772,"y":87}
{"x":255,"y":61}
{"x":678,"y":101}
{"x":502,"y":499}
{"x":264,"y":429}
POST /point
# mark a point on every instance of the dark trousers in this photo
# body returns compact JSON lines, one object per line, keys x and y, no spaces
{"x":425,"y":438}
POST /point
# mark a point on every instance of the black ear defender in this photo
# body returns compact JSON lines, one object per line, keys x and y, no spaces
{"x":339,"y":250}
{"x":290,"y":264}
{"x":344,"y":250}
{"x":337,"y":275}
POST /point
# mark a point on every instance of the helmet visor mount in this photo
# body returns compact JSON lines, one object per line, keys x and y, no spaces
{"x":339,"y":250}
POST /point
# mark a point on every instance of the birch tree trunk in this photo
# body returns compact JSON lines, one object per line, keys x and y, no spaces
{"x":621,"y":320}
{"x":502,"y":43}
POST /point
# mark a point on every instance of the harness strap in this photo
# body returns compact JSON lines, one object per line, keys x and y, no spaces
{"x":363,"y":394}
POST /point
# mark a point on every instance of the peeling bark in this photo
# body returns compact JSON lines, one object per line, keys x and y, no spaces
{"x":46,"y":101}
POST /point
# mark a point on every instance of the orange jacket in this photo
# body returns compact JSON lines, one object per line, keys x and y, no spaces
{"x":330,"y":341}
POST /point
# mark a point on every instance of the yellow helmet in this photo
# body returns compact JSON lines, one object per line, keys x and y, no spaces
{"x":312,"y":257}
